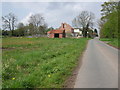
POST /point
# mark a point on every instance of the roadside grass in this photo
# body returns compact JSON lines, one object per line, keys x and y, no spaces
{"x":39,"y":62}
{"x":114,"y":42}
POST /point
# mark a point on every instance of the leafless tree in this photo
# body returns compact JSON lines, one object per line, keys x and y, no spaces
{"x":36,"y":20}
{"x":100,"y":24}
{"x":43,"y":28}
{"x":84,"y":20}
{"x":9,"y":22}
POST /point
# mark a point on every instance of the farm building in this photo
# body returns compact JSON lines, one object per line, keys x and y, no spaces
{"x":56,"y":33}
{"x":61,"y":32}
{"x":66,"y":27}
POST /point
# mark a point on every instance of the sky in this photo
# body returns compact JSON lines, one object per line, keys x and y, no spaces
{"x":54,"y":13}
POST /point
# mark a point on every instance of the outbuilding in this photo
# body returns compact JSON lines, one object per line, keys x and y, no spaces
{"x":56,"y":33}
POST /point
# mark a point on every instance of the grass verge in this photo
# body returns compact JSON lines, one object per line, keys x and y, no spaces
{"x":39,"y":62}
{"x":113,"y":42}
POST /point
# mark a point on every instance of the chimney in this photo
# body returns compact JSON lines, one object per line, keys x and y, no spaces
{"x":63,"y":25}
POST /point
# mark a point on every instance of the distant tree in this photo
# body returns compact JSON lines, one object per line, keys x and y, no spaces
{"x":27,"y":30}
{"x":110,"y":28}
{"x":5,"y":32}
{"x":101,"y":23}
{"x":90,"y":33}
{"x":84,"y":20}
{"x":21,"y":29}
{"x":107,"y":8}
{"x":31,"y":30}
{"x":95,"y":32}
{"x":9,"y":22}
{"x":49,"y":29}
{"x":16,"y":33}
{"x":35,"y":22}
{"x":108,"y":24}
{"x":42,"y":29}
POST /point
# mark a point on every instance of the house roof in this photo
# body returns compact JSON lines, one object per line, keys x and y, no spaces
{"x":63,"y":27}
{"x":56,"y":31}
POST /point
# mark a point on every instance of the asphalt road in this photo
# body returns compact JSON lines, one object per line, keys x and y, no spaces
{"x":99,"y":66}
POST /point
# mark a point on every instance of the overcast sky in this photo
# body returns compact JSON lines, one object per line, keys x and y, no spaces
{"x":54,"y":12}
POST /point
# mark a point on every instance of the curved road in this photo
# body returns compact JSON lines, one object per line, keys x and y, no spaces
{"x":99,"y":66}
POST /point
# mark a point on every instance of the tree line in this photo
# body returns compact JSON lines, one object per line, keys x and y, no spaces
{"x":36,"y":26}
{"x":109,"y":24}
{"x":85,"y":21}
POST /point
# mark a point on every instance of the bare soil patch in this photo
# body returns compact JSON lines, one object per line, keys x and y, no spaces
{"x":6,"y":48}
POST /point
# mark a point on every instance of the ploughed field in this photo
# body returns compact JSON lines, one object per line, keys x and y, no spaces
{"x":39,"y":62}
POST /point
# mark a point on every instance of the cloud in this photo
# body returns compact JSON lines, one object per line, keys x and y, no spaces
{"x":25,"y":20}
{"x":65,"y":12}
{"x":54,"y":12}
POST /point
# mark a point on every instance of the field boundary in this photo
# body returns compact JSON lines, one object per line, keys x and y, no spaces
{"x":70,"y":82}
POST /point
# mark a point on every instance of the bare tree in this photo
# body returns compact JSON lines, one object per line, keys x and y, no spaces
{"x":84,"y":20}
{"x":9,"y":22}
{"x":21,"y":29}
{"x":101,"y":23}
{"x":36,"y":20}
{"x":43,"y":28}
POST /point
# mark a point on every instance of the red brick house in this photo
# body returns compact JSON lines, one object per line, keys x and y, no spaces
{"x":56,"y":34}
{"x":61,"y":32}
{"x":66,"y":27}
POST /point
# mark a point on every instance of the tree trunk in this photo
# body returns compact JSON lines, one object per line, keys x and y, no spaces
{"x":84,"y":32}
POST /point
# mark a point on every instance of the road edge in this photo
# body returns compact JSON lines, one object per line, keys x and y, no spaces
{"x":70,"y":81}
{"x":110,"y":45}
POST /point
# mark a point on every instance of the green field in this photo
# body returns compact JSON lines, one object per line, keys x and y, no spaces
{"x":39,"y":62}
{"x":114,"y":42}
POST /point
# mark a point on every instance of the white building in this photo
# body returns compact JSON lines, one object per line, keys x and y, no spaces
{"x":78,"y":32}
